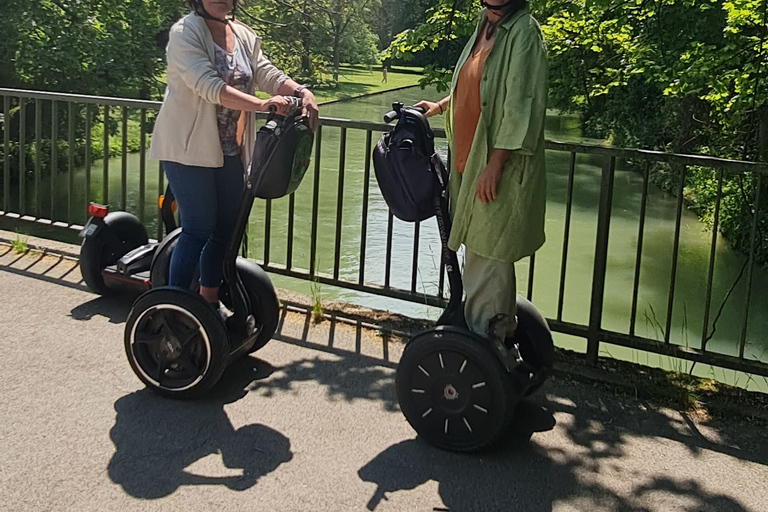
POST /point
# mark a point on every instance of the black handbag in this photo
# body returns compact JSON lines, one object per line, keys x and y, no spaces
{"x":405,"y":163}
{"x":281,"y":155}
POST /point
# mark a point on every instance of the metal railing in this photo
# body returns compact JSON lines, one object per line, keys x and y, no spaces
{"x":76,"y":114}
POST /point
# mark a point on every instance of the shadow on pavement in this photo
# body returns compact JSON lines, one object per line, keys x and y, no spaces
{"x":522,"y":474}
{"x":591,"y":459}
{"x":115,"y":307}
{"x":157,"y":439}
{"x":514,"y":476}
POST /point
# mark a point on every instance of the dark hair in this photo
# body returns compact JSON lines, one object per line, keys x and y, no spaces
{"x":197,"y":6}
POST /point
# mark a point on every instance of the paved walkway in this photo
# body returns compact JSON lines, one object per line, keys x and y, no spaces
{"x":312,"y":424}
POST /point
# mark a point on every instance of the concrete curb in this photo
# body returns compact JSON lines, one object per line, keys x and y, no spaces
{"x":41,"y":244}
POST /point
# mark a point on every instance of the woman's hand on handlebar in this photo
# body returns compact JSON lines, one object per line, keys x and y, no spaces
{"x":431,"y":108}
{"x":281,"y":103}
{"x":309,"y":108}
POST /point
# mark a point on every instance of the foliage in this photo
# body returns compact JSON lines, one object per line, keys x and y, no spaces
{"x":19,"y":245}
{"x":111,"y":47}
{"x":327,"y":32}
{"x":677,"y":75}
{"x":444,"y":32}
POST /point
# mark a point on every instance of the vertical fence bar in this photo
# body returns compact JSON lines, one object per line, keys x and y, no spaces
{"x":673,"y":277}
{"x":315,"y":199}
{"x":124,"y":174}
{"x":22,"y":155}
{"x":712,"y":253}
{"x":531,"y":267}
{"x":6,"y":153}
{"x":388,"y":265}
{"x":601,"y":258}
{"x":105,"y":185}
{"x":366,"y":191}
{"x":71,"y":157}
{"x":415,"y":262}
{"x":142,"y":164}
{"x":639,"y":255}
{"x":752,"y":249}
{"x":340,"y":202}
{"x":267,"y":230}
{"x":566,"y":236}
{"x":54,"y":153}
{"x":87,"y":156}
{"x":291,"y":218}
{"x":38,"y":153}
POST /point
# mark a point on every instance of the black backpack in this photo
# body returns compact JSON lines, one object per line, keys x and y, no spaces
{"x":281,"y":155}
{"x":408,"y":168}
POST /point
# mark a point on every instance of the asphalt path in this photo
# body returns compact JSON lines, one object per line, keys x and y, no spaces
{"x":313,"y":424}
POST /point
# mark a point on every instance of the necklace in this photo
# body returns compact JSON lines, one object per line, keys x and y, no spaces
{"x":490,"y":29}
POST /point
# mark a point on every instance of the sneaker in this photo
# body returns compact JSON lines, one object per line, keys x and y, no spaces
{"x":224,"y":312}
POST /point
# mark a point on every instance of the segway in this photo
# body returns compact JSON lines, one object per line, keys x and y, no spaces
{"x":457,"y":389}
{"x":176,"y":343}
{"x":116,"y":253}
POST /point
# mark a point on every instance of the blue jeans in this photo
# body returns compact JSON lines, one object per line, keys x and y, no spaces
{"x":208,"y":201}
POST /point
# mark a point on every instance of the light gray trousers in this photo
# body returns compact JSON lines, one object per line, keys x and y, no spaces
{"x":490,"y":287}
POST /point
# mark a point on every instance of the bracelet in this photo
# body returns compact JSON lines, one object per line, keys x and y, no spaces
{"x":299,"y":89}
{"x":441,"y":108}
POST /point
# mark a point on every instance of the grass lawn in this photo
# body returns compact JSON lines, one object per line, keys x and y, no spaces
{"x":359,"y":80}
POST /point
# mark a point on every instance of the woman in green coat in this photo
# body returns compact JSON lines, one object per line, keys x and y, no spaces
{"x":495,"y":126}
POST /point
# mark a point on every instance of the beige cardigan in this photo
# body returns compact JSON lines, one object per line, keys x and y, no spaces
{"x":186,"y":130}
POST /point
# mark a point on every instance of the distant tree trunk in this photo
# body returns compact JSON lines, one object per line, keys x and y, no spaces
{"x":336,"y":45}
{"x":305,"y":44}
{"x":762,"y":134}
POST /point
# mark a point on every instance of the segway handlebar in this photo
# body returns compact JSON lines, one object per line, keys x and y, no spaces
{"x":392,"y":115}
{"x":296,"y":105}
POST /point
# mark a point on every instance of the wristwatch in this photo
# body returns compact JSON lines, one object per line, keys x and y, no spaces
{"x":299,"y":89}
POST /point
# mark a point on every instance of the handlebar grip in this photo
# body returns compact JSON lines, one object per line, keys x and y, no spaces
{"x":390,"y":116}
{"x":271,"y":109}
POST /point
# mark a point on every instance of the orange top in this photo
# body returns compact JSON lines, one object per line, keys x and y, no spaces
{"x":466,"y":107}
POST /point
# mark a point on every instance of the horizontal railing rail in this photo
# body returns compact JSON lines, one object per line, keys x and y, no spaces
{"x":48,"y":138}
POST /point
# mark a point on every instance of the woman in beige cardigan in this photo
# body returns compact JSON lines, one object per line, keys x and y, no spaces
{"x":205,"y":130}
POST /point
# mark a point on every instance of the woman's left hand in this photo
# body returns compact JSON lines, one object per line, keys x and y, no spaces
{"x":488,"y":183}
{"x":309,"y":108}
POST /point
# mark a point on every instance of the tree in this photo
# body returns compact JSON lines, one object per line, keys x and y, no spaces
{"x":88,"y":46}
{"x":326,"y":29}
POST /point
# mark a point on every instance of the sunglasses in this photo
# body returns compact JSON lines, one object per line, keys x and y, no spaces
{"x":497,"y":7}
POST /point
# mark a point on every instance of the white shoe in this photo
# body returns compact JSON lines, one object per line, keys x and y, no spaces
{"x":224,"y":312}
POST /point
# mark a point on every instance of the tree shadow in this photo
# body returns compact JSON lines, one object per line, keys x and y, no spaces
{"x":524,"y":473}
{"x":156,"y":439}
{"x":113,"y":307}
{"x":591,"y":458}
{"x":351,"y":378}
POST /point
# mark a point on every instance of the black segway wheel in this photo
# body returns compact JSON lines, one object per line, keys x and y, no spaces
{"x":176,"y":343}
{"x":265,"y":307}
{"x":96,"y":254}
{"x":534,"y":340}
{"x":453,"y":390}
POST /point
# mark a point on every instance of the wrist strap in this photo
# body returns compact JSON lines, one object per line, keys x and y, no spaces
{"x":299,"y":89}
{"x":441,"y":108}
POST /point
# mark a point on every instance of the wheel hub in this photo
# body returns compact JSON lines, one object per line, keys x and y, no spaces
{"x":450,"y":393}
{"x":171,"y":348}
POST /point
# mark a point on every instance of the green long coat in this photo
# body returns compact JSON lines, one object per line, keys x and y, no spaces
{"x":513,"y":95}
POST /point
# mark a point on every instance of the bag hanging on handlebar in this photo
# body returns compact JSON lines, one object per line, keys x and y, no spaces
{"x":403,"y":160}
{"x":281,"y":156}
